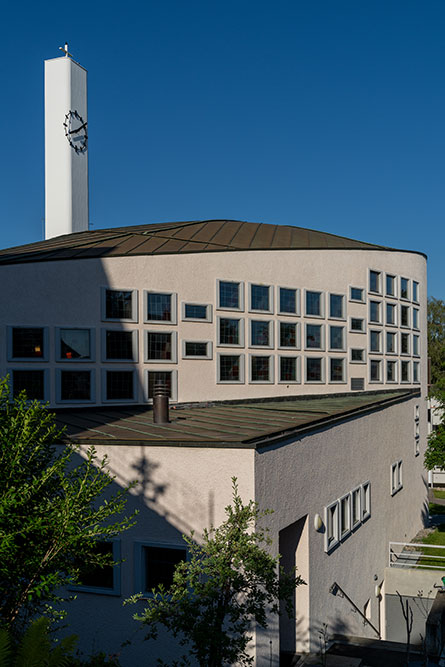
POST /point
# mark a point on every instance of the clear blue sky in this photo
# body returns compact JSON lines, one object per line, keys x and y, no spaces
{"x":326,"y":114}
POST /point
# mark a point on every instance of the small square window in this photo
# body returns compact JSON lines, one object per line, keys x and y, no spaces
{"x":375,"y":370}
{"x":391,"y":371}
{"x":332,"y":523}
{"x":375,"y":338}
{"x":231,"y":368}
{"x":30,"y":343}
{"x":390,"y":285}
{"x":288,"y":301}
{"x":357,"y":325}
{"x":160,"y":307}
{"x":261,"y":333}
{"x":119,"y":305}
{"x":391,"y":342}
{"x":404,"y":288}
{"x":404,"y":371}
{"x":119,"y":345}
{"x":119,"y":385}
{"x":366,"y":500}
{"x":314,"y":336}
{"x":314,"y":304}
{"x":336,"y":338}
{"x":374,"y":281}
{"x":314,"y":369}
{"x":261,"y":369}
{"x":74,"y":344}
{"x":288,"y":334}
{"x":404,"y":316}
{"x":337,"y":306}
{"x":30,"y":381}
{"x":160,"y":346}
{"x":230,"y":332}
{"x":230,"y":295}
{"x":75,"y":386}
{"x":357,"y":355}
{"x":289,"y":369}
{"x":391,"y":311}
{"x":167,"y":378}
{"x":415,"y":291}
{"x":336,"y":370}
{"x":196,"y":312}
{"x":194,"y":349}
{"x":375,"y":312}
{"x":357,"y":294}
{"x":261,"y":298}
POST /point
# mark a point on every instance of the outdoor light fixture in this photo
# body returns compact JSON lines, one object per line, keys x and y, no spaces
{"x":318,"y":522}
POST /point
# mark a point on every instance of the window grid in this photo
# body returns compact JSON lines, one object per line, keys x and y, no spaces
{"x":28,"y":343}
{"x":159,"y":346}
{"x":288,"y":334}
{"x":229,"y":295}
{"x":260,"y":333}
{"x":159,"y":307}
{"x":119,"y":304}
{"x":119,"y":345}
{"x":230,"y":368}
{"x":229,"y":331}
{"x":260,"y":370}
{"x":260,"y":298}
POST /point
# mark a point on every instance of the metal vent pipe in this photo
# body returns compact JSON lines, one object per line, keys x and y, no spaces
{"x":160,"y":403}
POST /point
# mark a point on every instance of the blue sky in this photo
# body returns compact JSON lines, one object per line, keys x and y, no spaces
{"x":325,"y":114}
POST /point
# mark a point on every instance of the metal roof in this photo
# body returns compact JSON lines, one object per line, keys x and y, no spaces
{"x":180,"y":237}
{"x":242,"y":424}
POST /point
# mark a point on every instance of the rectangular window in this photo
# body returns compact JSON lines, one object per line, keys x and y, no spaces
{"x":404,"y":316}
{"x":391,"y":346}
{"x":75,"y":385}
{"x":416,"y":367}
{"x":119,"y":385}
{"x":375,"y":370}
{"x":336,"y":370}
{"x":260,"y":298}
{"x":404,"y":343}
{"x":160,"y":307}
{"x":314,"y":336}
{"x":375,"y":341}
{"x":357,"y":355}
{"x":119,"y":345}
{"x":159,"y":564}
{"x":260,"y":369}
{"x":260,"y":333}
{"x":30,"y":381}
{"x":288,"y":369}
{"x":336,"y":338}
{"x":390,"y":285}
{"x":396,"y":477}
{"x":288,"y":334}
{"x":231,"y":368}
{"x":375,"y":312}
{"x":391,"y":313}
{"x":230,"y":295}
{"x":160,"y":346}
{"x":332,"y":521}
{"x":28,"y":343}
{"x":357,"y":324}
{"x":391,"y":371}
{"x":404,"y":288}
{"x":197,"y":312}
{"x":345,"y":515}
{"x":314,"y":369}
{"x":356,"y":507}
{"x":357,"y":294}
{"x":288,"y":301}
{"x":74,"y":344}
{"x":230,"y":332}
{"x":404,"y":371}
{"x":374,"y":281}
{"x":197,"y":349}
{"x":366,"y":500}
{"x":415,"y":291}
{"x":161,"y":377}
{"x":336,"y":306}
{"x":119,"y":305}
{"x":314,"y":304}
{"x":415,"y":318}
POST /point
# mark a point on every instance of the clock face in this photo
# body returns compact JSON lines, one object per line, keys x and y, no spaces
{"x":76,"y":131}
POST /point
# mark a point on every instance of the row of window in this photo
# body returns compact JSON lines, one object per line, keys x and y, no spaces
{"x":347,"y":514}
{"x":392,"y":286}
{"x":402,"y":315}
{"x":394,"y":371}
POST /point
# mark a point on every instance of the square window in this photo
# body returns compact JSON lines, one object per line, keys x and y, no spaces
{"x":159,"y":564}
{"x":230,"y":332}
{"x":336,"y":370}
{"x":28,"y":343}
{"x":356,"y":507}
{"x":231,"y":368}
{"x":197,"y":349}
{"x":260,"y":369}
{"x":357,"y":294}
{"x":404,"y":288}
{"x":161,"y":346}
{"x":75,"y":385}
{"x":167,"y":378}
{"x":314,"y":333}
{"x":390,"y":313}
{"x":197,"y":312}
{"x":289,"y":371}
{"x":336,"y":338}
{"x":260,"y":298}
{"x":30,"y":381}
{"x":357,"y":355}
{"x":374,"y":311}
{"x":390,"y":285}
{"x":260,"y":333}
{"x":404,"y":316}
{"x":314,"y":304}
{"x":119,"y":345}
{"x":314,"y":369}
{"x":336,"y":306}
{"x":375,"y":341}
{"x":415,"y":291}
{"x":391,"y":371}
{"x":332,"y":521}
{"x":288,"y":334}
{"x":374,"y":281}
{"x":74,"y":344}
{"x":288,"y":301}
{"x":345,"y":515}
{"x":404,"y":371}
{"x":375,"y":370}
{"x":229,"y":295}
{"x":357,"y":324}
{"x":119,"y":305}
{"x":119,"y":386}
{"x":391,"y":346}
{"x":160,"y":307}
{"x":103,"y":579}
{"x":404,"y":343}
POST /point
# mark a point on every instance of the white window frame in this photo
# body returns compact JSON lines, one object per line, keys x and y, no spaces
{"x":322,"y":303}
{"x":240,"y":284}
{"x":363,"y":291}
{"x":209,"y":348}
{"x":242,"y":366}
{"x":354,"y":361}
{"x":268,"y":311}
{"x":207,"y":306}
{"x":138,"y":562}
{"x":343,"y":347}
{"x":88,"y":360}
{"x":322,"y":337}
{"x":322,"y":370}
{"x":117,"y":401}
{"x":297,"y":369}
{"x":46,"y":387}
{"x":99,"y":590}
{"x":28,"y":360}
{"x":332,"y":538}
{"x":134,"y":304}
{"x":344,"y":531}
{"x":271,"y":328}
{"x":134,"y":345}
{"x":356,"y":493}
{"x":297,"y":335}
{"x":70,"y":369}
{"x":173,"y":307}
{"x":174,"y":345}
{"x":343,"y":360}
{"x":271,"y":359}
{"x":241,"y":332}
{"x":366,"y":500}
{"x":396,"y":480}
{"x":379,"y":280}
{"x":174,"y":383}
{"x":357,"y":331}
{"x":285,"y":313}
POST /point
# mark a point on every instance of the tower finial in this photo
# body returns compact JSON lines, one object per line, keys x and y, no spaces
{"x":65,"y":50}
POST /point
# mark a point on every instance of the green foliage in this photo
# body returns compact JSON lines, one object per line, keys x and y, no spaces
{"x":35,"y":648}
{"x":435,"y":451}
{"x":229,"y":583}
{"x":52,"y":511}
{"x":436,"y":343}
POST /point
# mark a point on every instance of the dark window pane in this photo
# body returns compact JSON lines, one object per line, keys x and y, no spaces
{"x":159,"y":345}
{"x":357,"y":354}
{"x":335,"y":305}
{"x":159,"y":566}
{"x":288,"y":300}
{"x":195,"y":349}
{"x":374,"y":311}
{"x":375,"y":341}
{"x":165,"y":377}
{"x":260,"y":297}
{"x":229,"y":368}
{"x":288,"y":369}
{"x":375,"y":371}
{"x":390,"y":283}
{"x":374,"y":281}
{"x":119,"y":385}
{"x":27,"y":343}
{"x":194,"y":312}
{"x":404,"y":343}
{"x":313,"y":335}
{"x":390,"y":342}
{"x":260,"y":332}
{"x":356,"y":324}
{"x":119,"y":345}
{"x":336,"y":370}
{"x":404,"y":284}
{"x":336,"y":338}
{"x":229,"y":295}
{"x":118,"y":305}
{"x":30,"y":381}
{"x":159,"y":307}
{"x":415,"y":291}
{"x":98,"y":577}
{"x":390,"y":371}
{"x":260,"y":369}
{"x":356,"y":294}
{"x":313,"y":370}
{"x":75,"y":344}
{"x":404,"y":316}
{"x":288,"y":334}
{"x":405,"y":371}
{"x":229,"y":331}
{"x":75,"y":385}
{"x":390,"y":313}
{"x":313,"y":303}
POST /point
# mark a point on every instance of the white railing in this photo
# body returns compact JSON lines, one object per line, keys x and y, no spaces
{"x":411,"y":554}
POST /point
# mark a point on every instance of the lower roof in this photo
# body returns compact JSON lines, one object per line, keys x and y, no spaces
{"x":244,"y":424}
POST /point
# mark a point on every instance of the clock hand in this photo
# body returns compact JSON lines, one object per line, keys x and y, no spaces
{"x":77,"y":129}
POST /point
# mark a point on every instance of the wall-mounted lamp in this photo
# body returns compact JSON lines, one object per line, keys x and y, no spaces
{"x":318,"y":522}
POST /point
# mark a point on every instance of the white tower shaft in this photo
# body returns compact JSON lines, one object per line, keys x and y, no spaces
{"x":66,"y":171}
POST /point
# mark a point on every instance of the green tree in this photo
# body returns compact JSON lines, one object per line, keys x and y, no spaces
{"x":52,"y":510}
{"x":436,"y":342}
{"x":228,"y":583}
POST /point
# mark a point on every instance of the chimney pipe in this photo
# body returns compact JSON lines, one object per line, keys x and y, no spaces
{"x":160,"y":403}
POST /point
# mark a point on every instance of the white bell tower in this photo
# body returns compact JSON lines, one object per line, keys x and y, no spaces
{"x":66,"y":146}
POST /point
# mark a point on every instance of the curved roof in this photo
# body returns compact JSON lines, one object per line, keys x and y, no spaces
{"x":180,"y":237}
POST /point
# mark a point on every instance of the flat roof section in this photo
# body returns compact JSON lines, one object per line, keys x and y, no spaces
{"x":238,"y":425}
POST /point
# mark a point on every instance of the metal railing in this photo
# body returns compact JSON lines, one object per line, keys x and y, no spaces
{"x":416,"y":555}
